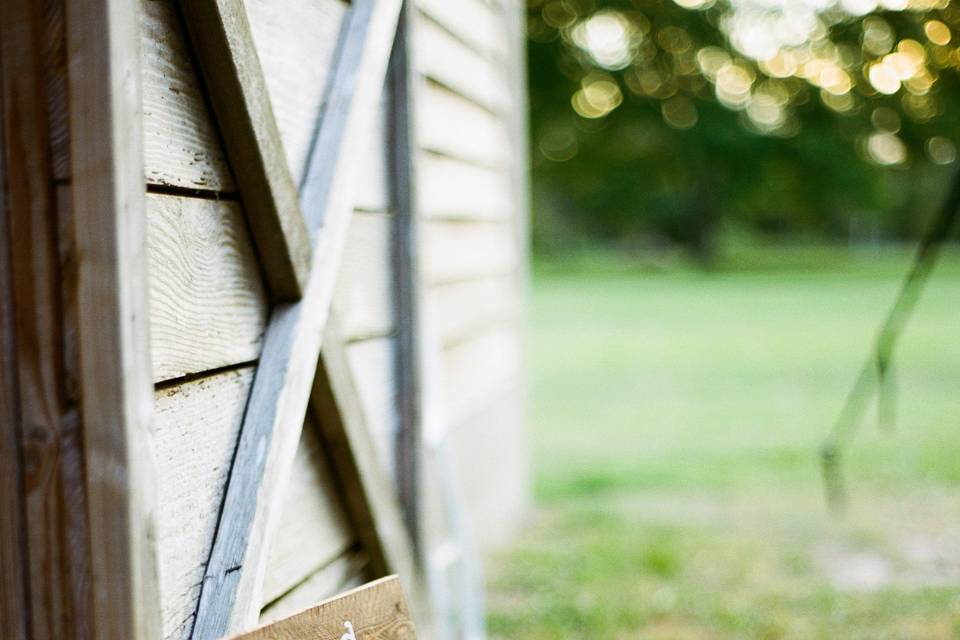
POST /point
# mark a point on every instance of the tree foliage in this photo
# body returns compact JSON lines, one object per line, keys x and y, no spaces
{"x":669,"y":118}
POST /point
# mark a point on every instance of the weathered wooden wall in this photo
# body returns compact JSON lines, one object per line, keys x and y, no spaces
{"x":210,"y":299}
{"x":470,"y":120}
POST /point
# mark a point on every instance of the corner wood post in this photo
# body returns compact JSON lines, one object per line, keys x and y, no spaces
{"x":108,"y":193}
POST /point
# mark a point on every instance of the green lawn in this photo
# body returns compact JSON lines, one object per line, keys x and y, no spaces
{"x":676,"y":418}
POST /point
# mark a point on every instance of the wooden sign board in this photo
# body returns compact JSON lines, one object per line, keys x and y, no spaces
{"x":375,"y":611}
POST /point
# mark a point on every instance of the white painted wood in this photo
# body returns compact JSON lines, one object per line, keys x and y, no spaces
{"x":373,"y":176}
{"x":443,"y":58}
{"x":452,"y":125}
{"x":462,"y":310}
{"x":494,"y":469}
{"x":473,"y":22}
{"x":313,"y":528}
{"x":451,"y":189}
{"x":478,"y":372}
{"x":296,"y":42}
{"x":374,"y":364}
{"x":196,"y":425}
{"x":208,"y":307}
{"x":371,"y":498}
{"x":365,"y":297}
{"x":181,"y":147}
{"x":343,"y":573}
{"x":453,"y":251}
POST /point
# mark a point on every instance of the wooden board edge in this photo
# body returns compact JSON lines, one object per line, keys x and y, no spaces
{"x":108,"y":196}
{"x":223,"y":44}
{"x":369,"y":495}
{"x":229,"y":599}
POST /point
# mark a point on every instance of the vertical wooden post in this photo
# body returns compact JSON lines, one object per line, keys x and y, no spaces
{"x":39,"y":363}
{"x":406,"y":271}
{"x":14,"y":607}
{"x":108,"y":193}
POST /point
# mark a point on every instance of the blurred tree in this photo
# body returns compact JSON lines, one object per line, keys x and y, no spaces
{"x":665,"y":118}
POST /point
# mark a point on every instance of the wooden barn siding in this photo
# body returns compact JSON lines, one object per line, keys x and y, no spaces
{"x":364,"y":300}
{"x":209,"y":305}
{"x":43,"y":493}
{"x":472,"y":217}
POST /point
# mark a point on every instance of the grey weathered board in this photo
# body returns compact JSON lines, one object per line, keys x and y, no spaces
{"x":374,"y":611}
{"x":223,"y":42}
{"x":229,"y":596}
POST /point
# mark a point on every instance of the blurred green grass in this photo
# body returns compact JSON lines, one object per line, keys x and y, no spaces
{"x":675,"y":424}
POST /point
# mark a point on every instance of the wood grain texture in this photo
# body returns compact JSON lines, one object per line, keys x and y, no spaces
{"x":451,"y":189}
{"x":375,"y":611}
{"x":181,"y":145}
{"x":296,"y":42}
{"x":345,"y":572}
{"x":454,"y":251}
{"x":230,"y":598}
{"x":451,"y":125}
{"x":43,"y":285}
{"x":313,"y":528}
{"x":208,"y":307}
{"x":196,"y":425}
{"x":221,"y":38}
{"x":14,"y":601}
{"x":109,"y":226}
{"x":365,"y":297}
{"x":369,"y":496}
{"x":54,"y":56}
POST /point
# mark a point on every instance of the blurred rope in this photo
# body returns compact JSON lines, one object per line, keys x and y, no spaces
{"x":876,"y":373}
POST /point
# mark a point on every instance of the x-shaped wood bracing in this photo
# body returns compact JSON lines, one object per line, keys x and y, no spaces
{"x":300,"y":239}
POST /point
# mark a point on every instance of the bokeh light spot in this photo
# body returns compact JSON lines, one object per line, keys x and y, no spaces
{"x":937,"y":32}
{"x":886,"y":149}
{"x":679,"y":112}
{"x":941,"y":150}
{"x":607,"y":36}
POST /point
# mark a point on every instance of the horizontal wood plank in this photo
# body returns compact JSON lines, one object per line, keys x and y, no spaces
{"x":491,"y":454}
{"x":208,"y":307}
{"x":452,"y":251}
{"x":477,"y":373}
{"x":365,"y":294}
{"x":222,"y":41}
{"x":313,"y":528}
{"x":374,"y":611}
{"x":462,"y":310}
{"x":181,"y":145}
{"x":452,"y":125}
{"x":344,"y":572}
{"x":473,"y":22}
{"x":196,"y":425}
{"x":444,"y":59}
{"x":451,"y":189}
{"x":296,"y":42}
